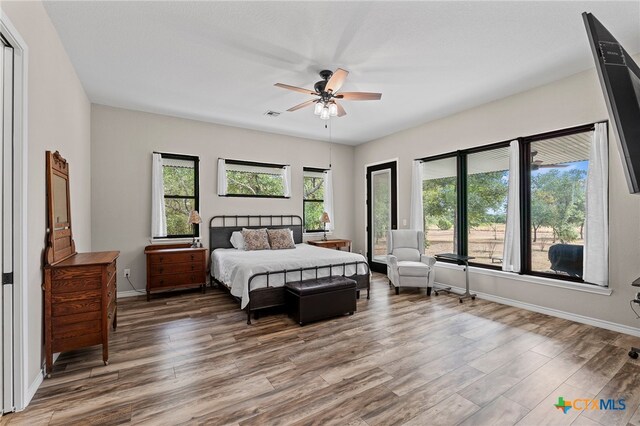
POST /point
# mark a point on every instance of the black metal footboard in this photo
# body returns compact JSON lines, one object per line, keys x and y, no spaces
{"x":269,"y":297}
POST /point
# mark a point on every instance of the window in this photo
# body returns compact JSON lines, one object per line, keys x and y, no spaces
{"x":557,"y":192}
{"x":465,"y":197}
{"x":179,"y":195}
{"x":487,"y":190}
{"x":439,"y":195}
{"x":313,"y":200}
{"x":250,"y":179}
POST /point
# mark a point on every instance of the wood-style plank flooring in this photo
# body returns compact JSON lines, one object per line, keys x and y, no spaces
{"x":407,"y":359}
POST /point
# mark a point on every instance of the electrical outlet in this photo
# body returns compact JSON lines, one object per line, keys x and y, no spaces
{"x":127,"y":273}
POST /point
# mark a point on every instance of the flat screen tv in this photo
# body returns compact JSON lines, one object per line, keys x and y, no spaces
{"x":620,"y":80}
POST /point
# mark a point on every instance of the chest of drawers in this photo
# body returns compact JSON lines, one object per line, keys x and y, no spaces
{"x":80,"y":304}
{"x":175,"y":266}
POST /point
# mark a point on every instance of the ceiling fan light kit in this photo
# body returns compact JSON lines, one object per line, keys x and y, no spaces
{"x":327,"y":91}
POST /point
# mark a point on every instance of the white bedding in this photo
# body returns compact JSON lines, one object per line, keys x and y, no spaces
{"x":234,"y":267}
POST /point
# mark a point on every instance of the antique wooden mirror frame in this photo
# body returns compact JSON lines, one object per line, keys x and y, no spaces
{"x":60,"y":243}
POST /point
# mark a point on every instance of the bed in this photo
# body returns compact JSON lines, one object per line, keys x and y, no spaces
{"x":256,"y":278}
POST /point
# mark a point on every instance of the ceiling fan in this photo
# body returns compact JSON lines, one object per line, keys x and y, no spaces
{"x":326,"y":90}
{"x":539,"y":164}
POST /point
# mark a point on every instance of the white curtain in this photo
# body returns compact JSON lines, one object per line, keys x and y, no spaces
{"x":417,"y":213}
{"x":511,"y":255}
{"x":328,"y":198}
{"x":596,"y":238}
{"x":222,"y":177}
{"x":286,"y":180}
{"x":158,"y":217}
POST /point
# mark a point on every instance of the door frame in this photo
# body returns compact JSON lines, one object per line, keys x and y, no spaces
{"x":23,"y":391}
{"x":381,"y":165}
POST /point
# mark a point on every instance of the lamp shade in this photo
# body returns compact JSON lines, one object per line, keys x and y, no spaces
{"x":325,"y":218}
{"x":318,"y":108}
{"x":194,"y":217}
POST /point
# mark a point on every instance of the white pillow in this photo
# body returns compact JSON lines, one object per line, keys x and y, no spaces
{"x":237,"y":241}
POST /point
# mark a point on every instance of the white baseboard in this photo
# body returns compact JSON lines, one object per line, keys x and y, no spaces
{"x":130,"y":293}
{"x":33,"y":388}
{"x":620,"y":328}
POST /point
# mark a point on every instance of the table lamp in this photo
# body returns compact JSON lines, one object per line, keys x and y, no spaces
{"x":195,"y":220}
{"x":325,"y":219}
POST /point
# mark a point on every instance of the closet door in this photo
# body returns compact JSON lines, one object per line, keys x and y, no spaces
{"x":6,"y":229}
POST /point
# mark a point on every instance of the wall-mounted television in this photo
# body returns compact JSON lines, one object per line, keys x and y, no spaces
{"x":620,"y":80}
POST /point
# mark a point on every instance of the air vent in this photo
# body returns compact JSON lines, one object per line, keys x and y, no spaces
{"x":272,"y":113}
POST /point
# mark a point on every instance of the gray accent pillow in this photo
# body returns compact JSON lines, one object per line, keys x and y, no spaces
{"x":255,"y":239}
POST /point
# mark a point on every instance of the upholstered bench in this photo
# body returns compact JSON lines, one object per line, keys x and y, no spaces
{"x":320,"y":298}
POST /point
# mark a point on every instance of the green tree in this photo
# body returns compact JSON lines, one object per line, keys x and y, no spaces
{"x":558,"y":201}
{"x":178,"y":182}
{"x":314,"y":205}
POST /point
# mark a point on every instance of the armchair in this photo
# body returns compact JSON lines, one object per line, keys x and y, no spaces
{"x":407,"y":266}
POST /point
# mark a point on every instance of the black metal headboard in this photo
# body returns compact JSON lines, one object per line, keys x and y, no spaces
{"x":221,"y":227}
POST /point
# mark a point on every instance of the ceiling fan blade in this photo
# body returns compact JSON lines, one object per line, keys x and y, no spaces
{"x":296,"y":89}
{"x":302,"y":105}
{"x":337,"y":79}
{"x":341,"y":111}
{"x":359,"y":96}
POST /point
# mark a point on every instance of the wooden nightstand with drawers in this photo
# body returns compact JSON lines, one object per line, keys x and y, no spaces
{"x":175,"y":266}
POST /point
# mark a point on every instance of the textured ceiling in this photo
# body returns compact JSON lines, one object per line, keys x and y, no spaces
{"x":218,"y":61}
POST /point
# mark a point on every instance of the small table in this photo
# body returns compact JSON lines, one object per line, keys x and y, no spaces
{"x":461,"y":260}
{"x":332,"y":244}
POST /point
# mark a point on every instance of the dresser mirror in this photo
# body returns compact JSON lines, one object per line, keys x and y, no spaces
{"x":60,"y":243}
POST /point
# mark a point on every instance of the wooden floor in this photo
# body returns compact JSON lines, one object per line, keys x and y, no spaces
{"x":407,"y":359}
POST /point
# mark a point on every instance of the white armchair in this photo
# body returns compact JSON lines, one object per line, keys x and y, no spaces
{"x":407,"y":266}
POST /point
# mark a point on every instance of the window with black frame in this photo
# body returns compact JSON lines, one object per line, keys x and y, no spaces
{"x":253,"y":179}
{"x":556,"y":198}
{"x":440,"y":205}
{"x":465,"y":202}
{"x":313,"y":200}
{"x":180,"y":181}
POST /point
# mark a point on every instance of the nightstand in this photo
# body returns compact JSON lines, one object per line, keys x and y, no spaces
{"x":337,"y":244}
{"x":175,"y":266}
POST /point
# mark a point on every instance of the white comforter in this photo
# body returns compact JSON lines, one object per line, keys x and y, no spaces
{"x":234,"y":267}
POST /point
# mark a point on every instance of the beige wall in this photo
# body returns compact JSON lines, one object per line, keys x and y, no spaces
{"x":565,"y":103}
{"x":58,"y":119}
{"x":122,"y":143}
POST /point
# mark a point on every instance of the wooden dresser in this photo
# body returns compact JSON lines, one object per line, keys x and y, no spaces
{"x":80,"y":304}
{"x":174,"y":266}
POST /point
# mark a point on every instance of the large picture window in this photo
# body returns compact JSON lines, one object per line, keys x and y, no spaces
{"x":557,"y":194}
{"x":313,"y":199}
{"x":487,"y":190}
{"x":465,"y":200}
{"x":440,"y":194}
{"x":175,"y":195}
{"x":238,"y":178}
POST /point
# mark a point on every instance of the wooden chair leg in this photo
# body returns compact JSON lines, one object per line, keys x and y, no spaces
{"x":428,"y":291}
{"x":397,"y":290}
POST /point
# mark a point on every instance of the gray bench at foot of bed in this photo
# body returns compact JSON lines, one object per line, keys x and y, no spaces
{"x":321,"y":298}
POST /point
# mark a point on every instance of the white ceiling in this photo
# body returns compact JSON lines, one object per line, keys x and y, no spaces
{"x":218,"y":61}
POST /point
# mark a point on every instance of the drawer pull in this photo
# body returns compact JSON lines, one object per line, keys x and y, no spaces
{"x":160,"y":270}
{"x":161,"y":258}
{"x":192,"y":257}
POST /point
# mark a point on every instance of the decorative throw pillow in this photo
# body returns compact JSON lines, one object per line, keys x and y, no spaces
{"x":255,"y":239}
{"x":281,"y":239}
{"x":237,"y":241}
